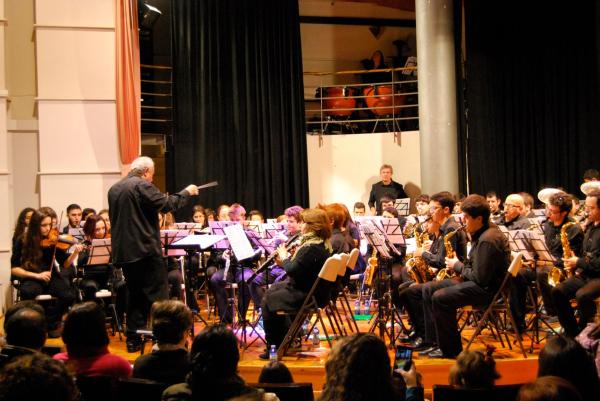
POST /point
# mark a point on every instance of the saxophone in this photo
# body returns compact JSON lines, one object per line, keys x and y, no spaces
{"x":370,"y":269}
{"x":557,"y":274}
{"x":450,"y":253}
{"x":416,"y":267}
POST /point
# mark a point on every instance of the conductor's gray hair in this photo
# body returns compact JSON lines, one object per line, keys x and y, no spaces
{"x":141,"y":164}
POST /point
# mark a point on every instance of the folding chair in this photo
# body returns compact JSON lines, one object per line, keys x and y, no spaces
{"x":312,"y":306}
{"x":500,"y":305}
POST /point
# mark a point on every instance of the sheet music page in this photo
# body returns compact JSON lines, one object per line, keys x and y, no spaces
{"x":240,"y":244}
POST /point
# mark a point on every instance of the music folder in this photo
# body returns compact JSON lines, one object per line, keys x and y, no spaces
{"x":197,"y":242}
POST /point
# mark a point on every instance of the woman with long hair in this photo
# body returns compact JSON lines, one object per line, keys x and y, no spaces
{"x":302,"y":270}
{"x":37,"y":262}
{"x":21,"y":224}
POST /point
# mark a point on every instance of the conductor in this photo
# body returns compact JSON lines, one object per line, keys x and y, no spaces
{"x":134,"y":203}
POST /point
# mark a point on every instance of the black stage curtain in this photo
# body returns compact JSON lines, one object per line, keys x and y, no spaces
{"x":530,"y":116}
{"x":239,"y":102}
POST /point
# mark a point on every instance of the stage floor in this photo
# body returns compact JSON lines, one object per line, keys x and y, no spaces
{"x":310,"y":366}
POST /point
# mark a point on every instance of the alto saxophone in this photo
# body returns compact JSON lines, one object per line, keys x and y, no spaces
{"x":450,"y":253}
{"x":370,"y":269}
{"x":557,"y":274}
{"x":416,"y":267}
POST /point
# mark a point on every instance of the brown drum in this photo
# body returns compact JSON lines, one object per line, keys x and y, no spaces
{"x":338,"y":99}
{"x":383,"y":96}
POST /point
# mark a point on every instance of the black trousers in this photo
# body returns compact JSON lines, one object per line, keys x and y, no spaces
{"x":412,"y":299}
{"x":146,"y":283}
{"x":518,"y":293}
{"x":443,"y":299}
{"x":585,"y":291}
{"x":59,"y":287}
{"x":217,"y":286}
{"x":257,"y":286}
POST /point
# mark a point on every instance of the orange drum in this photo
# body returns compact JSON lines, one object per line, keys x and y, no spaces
{"x":383,"y":96}
{"x":338,"y":99}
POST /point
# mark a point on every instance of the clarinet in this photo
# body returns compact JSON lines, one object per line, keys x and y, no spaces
{"x":288,"y":244}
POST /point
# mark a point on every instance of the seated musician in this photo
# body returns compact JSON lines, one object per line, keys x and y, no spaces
{"x":97,"y":277}
{"x":166,"y":221}
{"x":513,"y":213}
{"x":74,"y":215}
{"x":223,"y":213}
{"x":104,"y":214}
{"x":481,"y":275}
{"x":21,"y":224}
{"x":359,"y":209}
{"x":199,"y":216}
{"x":422,"y":206}
{"x":33,"y":263}
{"x":341,"y":241}
{"x":256,"y":215}
{"x":302,"y":270}
{"x":584,"y":284}
{"x":527,"y":205}
{"x":559,"y":206}
{"x":494,"y":202}
{"x":434,"y":254}
{"x":233,"y":271}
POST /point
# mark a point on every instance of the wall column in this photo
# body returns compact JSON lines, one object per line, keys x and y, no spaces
{"x":437,"y":96}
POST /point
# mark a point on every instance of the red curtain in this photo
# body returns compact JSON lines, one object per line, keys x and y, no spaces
{"x":128,"y":81}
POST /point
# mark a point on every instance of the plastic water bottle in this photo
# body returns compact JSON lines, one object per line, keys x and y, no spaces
{"x":304,"y":331}
{"x":367,"y":306}
{"x":273,"y":353}
{"x":357,"y":307}
{"x":315,"y":338}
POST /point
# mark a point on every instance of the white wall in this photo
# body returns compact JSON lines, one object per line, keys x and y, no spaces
{"x":75,"y":53}
{"x":343,"y":167}
{"x":5,"y":199}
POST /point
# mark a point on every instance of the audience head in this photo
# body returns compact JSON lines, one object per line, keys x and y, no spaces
{"x":476,"y":212}
{"x":566,"y":358}
{"x":358,"y":368}
{"x":316,"y":221}
{"x":474,"y":369}
{"x":85,"y":328}
{"x":275,"y":372}
{"x":549,"y":388}
{"x":170,"y":321}
{"x":25,"y":325}
{"x":214,"y":357}
{"x":94,"y":227}
{"x":359,"y":209}
{"x":37,"y":377}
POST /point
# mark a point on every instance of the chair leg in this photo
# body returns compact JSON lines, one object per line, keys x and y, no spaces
{"x":345,"y":302}
{"x":320,"y":318}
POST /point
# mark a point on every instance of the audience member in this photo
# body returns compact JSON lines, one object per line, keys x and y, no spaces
{"x":168,"y":362}
{"x":37,"y":377}
{"x":214,"y":359}
{"x":86,"y":341}
{"x":549,"y":388}
{"x":358,"y":368}
{"x":474,"y":369}
{"x":275,"y":372}
{"x":564,"y":357}
{"x":25,"y":329}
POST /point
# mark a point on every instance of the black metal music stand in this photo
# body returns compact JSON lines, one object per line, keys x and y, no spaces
{"x":192,"y":244}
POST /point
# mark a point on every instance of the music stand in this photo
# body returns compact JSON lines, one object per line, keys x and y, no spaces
{"x":218,"y":228}
{"x":191,"y":227}
{"x":192,"y":244}
{"x":377,"y":238}
{"x":402,"y":206}
{"x":77,"y":232}
{"x":533,"y":246}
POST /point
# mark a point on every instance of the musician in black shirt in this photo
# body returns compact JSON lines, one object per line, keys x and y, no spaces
{"x":584,"y":285}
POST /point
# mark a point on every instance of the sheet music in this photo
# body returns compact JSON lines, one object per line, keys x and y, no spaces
{"x":188,"y":226}
{"x":100,"y":251}
{"x":535,"y":243}
{"x":257,"y":227}
{"x":391,"y":227}
{"x":402,"y":206}
{"x":77,"y":233}
{"x":240,"y":245}
{"x":200,"y":241}
{"x":217,"y":228}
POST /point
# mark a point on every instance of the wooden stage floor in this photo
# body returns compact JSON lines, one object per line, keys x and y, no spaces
{"x":310,"y":366}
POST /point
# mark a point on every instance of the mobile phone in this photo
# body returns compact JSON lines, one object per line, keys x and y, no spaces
{"x":403,"y":357}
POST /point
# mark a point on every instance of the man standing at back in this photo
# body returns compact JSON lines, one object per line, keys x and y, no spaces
{"x":134,"y":203}
{"x":385,"y":187}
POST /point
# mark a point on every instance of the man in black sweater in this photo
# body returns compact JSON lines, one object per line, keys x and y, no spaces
{"x":385,"y":187}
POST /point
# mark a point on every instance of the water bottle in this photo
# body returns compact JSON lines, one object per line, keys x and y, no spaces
{"x":273,"y":353}
{"x":315,"y":338}
{"x":367,"y":306}
{"x":304,"y":331}
{"x":357,"y":307}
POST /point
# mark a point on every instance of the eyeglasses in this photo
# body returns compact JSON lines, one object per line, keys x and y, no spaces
{"x":434,"y":208}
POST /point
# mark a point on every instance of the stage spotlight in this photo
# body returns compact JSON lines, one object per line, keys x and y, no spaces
{"x":148,"y":15}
